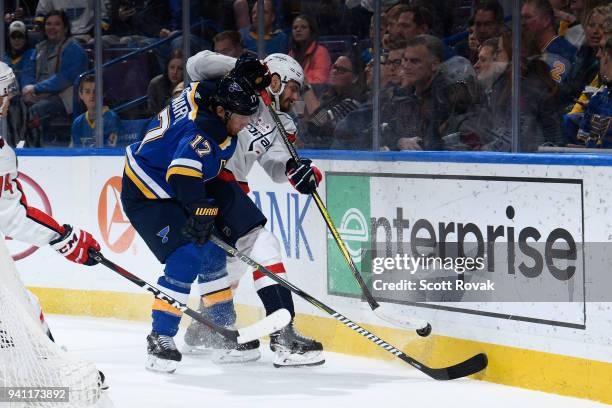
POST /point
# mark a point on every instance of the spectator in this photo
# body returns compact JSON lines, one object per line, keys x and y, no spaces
{"x":228,"y":43}
{"x":136,"y":23}
{"x":19,"y":58}
{"x":538,"y":19}
{"x":540,"y":119}
{"x":84,"y":126}
{"x":586,"y":65}
{"x":486,"y":65}
{"x":385,"y":77}
{"x":59,"y":61}
{"x":367,"y":50}
{"x":342,"y":96}
{"x":392,"y":14}
{"x":161,"y":87}
{"x":275,"y":40}
{"x":392,"y":65}
{"x":14,"y":12}
{"x":411,"y":21}
{"x":571,"y":121}
{"x":354,"y":132}
{"x":19,"y":54}
{"x":596,"y":125}
{"x":81,"y":16}
{"x":415,"y":121}
{"x":468,"y":48}
{"x":487,"y":22}
{"x":312,"y":56}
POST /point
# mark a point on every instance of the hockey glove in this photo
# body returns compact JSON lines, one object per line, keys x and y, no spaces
{"x":303,"y":175}
{"x":254,"y":71}
{"x":74,"y":244}
{"x":201,"y":221}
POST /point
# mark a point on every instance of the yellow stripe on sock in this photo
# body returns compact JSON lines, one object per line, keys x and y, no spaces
{"x":164,"y":307}
{"x":218,"y":297}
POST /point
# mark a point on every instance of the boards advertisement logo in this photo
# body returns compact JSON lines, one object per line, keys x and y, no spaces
{"x":36,"y":198}
{"x":117,"y":232}
{"x":532,"y":249}
{"x":348,"y":203}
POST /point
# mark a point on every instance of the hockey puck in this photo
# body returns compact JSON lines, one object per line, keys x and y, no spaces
{"x":425,"y":331}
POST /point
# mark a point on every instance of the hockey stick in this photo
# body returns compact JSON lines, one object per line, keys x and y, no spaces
{"x":261,"y":328}
{"x":470,"y":366}
{"x":423,"y":328}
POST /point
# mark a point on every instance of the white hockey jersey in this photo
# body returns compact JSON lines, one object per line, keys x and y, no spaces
{"x":260,"y":141}
{"x":17,"y":219}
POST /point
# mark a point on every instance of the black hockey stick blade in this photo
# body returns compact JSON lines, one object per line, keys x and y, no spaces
{"x":468,"y":367}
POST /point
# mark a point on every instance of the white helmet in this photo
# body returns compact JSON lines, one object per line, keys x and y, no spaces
{"x":285,"y":69}
{"x":8,"y":84}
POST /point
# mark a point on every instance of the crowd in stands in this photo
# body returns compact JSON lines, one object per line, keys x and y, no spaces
{"x":445,"y":69}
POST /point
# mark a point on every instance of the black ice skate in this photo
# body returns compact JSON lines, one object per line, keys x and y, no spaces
{"x":202,"y":340}
{"x":163,"y":354}
{"x":291,"y":349}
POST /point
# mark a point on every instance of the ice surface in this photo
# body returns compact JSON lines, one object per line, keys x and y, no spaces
{"x":118,"y":348}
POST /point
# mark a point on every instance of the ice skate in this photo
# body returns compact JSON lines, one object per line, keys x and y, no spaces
{"x":163,"y":354}
{"x":291,"y":349}
{"x":201,"y":340}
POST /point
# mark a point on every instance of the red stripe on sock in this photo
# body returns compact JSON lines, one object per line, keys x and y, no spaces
{"x":276,"y":268}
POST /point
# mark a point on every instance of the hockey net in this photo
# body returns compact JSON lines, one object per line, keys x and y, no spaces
{"x":28,"y":358}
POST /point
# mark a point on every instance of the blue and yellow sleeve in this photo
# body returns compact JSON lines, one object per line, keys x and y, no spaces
{"x":185,"y":173}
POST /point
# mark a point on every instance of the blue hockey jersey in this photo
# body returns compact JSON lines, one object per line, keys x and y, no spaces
{"x":596,"y":124}
{"x":181,"y":142}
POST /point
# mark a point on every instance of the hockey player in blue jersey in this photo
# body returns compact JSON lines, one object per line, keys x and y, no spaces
{"x":164,"y":195}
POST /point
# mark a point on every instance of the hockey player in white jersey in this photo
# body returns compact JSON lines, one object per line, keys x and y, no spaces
{"x":261,"y":141}
{"x":24,"y":223}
